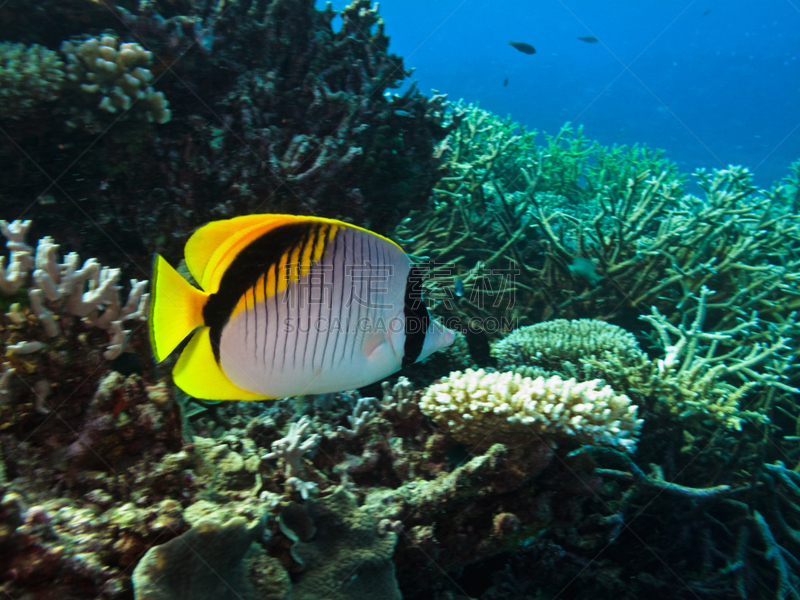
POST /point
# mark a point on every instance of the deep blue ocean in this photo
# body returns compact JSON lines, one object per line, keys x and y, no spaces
{"x":713,"y":83}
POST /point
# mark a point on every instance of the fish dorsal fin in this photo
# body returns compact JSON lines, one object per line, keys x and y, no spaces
{"x":212,"y":247}
{"x":198,"y":373}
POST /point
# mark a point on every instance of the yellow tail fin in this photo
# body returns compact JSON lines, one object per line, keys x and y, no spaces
{"x":176,"y":308}
{"x":198,"y":374}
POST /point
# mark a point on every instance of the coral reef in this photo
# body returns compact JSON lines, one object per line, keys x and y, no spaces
{"x":702,"y":376}
{"x":205,"y":563}
{"x":480,"y":409}
{"x":28,"y":76}
{"x":340,"y":550}
{"x":117,"y":74}
{"x":590,"y":232}
{"x":635,"y":301}
{"x":305,"y":123}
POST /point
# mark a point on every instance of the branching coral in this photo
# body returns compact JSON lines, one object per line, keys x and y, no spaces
{"x":28,"y":76}
{"x":479,"y":409}
{"x":706,"y":375}
{"x":363,"y":409}
{"x":292,"y":446}
{"x":21,"y":259}
{"x":737,"y":548}
{"x":628,"y":237}
{"x":398,"y":398}
{"x":75,"y":317}
{"x":117,"y":74}
{"x":89,"y":292}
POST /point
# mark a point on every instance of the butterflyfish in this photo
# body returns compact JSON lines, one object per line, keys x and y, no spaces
{"x":290,"y":305}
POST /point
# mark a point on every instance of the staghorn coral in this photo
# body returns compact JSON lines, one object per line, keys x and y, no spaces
{"x":29,"y":76}
{"x":495,"y":177}
{"x":787,"y":192}
{"x":595,"y":232}
{"x":479,"y":409}
{"x":705,"y":375}
{"x":739,"y":540}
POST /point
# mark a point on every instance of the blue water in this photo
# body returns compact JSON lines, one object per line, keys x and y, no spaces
{"x":711,"y":89}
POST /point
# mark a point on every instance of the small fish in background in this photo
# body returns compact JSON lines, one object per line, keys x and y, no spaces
{"x":458,"y":287}
{"x":289,"y":305}
{"x":523,"y":47}
{"x":706,"y":12}
{"x":583,"y":268}
{"x":589,"y":39}
{"x":505,"y":82}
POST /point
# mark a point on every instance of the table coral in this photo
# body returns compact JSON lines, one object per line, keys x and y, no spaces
{"x":479,"y":408}
{"x":580,"y":348}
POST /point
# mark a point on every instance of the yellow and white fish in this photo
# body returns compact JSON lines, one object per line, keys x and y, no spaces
{"x":290,"y":305}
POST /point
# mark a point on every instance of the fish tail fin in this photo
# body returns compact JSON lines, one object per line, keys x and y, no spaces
{"x":198,"y":373}
{"x":176,"y":308}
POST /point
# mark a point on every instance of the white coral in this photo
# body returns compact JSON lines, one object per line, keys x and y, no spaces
{"x":89,"y":292}
{"x":291,"y":447}
{"x":481,"y":408}
{"x":12,"y":278}
{"x":362,"y":412}
{"x":399,"y":398}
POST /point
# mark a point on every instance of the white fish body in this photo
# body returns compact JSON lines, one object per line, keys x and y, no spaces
{"x":308,"y":306}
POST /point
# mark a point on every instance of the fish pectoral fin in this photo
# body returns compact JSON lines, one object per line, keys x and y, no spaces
{"x":198,"y":373}
{"x":372,"y":344}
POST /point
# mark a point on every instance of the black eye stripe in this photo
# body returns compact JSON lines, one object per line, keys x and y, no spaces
{"x":416,"y":315}
{"x":245,"y":270}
